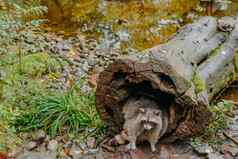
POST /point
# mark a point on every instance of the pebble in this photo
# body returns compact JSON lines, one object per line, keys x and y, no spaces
{"x":215,"y":156}
{"x":15,"y":152}
{"x":76,"y":152}
{"x":40,"y":134}
{"x":53,"y":145}
{"x":91,"y":142}
{"x":204,"y":149}
{"x":36,"y":155}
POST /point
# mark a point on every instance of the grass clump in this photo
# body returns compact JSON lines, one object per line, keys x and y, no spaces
{"x":236,"y":61}
{"x":39,"y":64}
{"x":70,"y":111}
{"x":8,"y":137}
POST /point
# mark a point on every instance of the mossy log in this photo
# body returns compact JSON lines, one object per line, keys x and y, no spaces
{"x":183,"y":74}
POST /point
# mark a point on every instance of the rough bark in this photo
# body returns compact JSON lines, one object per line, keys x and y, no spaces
{"x":181,"y":75}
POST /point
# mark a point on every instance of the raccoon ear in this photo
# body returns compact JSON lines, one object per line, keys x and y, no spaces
{"x":141,"y":110}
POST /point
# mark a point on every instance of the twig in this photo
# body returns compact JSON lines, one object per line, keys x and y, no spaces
{"x":231,"y":138}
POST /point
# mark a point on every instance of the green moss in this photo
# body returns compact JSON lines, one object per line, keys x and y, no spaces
{"x":236,"y":61}
{"x":198,"y":83}
{"x":38,"y":64}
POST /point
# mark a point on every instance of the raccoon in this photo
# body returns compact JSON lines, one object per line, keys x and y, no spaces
{"x":143,"y":121}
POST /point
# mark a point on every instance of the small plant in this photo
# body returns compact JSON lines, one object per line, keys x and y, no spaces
{"x":16,"y":14}
{"x":64,"y":111}
{"x":8,"y":137}
{"x":216,"y":125}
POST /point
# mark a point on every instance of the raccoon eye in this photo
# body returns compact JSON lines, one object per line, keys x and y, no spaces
{"x":157,"y":113}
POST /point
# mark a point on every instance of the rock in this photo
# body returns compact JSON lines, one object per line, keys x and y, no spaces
{"x":40,"y":134}
{"x":85,"y":66}
{"x":92,"y":60}
{"x":91,"y":142}
{"x":230,"y":148}
{"x":31,"y":145}
{"x":41,"y":148}
{"x":68,"y":144}
{"x":79,"y":72}
{"x":85,"y":88}
{"x":227,"y":24}
{"x":221,"y":5}
{"x":76,"y":152}
{"x":204,"y":149}
{"x":53,"y":145}
{"x":83,"y":145}
{"x":36,"y":155}
{"x":214,"y":156}
{"x":15,"y":152}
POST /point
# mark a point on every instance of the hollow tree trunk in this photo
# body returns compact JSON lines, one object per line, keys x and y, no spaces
{"x":183,"y":74}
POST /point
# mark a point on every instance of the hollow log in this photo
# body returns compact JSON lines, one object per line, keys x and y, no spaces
{"x":182,"y":75}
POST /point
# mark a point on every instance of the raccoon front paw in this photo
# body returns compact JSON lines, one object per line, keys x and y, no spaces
{"x":131,"y":146}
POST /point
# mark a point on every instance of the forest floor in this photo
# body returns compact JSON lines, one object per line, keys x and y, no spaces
{"x":78,"y":61}
{"x":42,"y":69}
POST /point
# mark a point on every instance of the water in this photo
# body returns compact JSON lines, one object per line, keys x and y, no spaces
{"x":144,"y":23}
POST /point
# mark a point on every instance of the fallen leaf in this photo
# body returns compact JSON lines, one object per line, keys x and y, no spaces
{"x":3,"y":156}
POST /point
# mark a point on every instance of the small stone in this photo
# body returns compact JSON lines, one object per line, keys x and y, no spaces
{"x":91,"y":142}
{"x":227,"y":23}
{"x":53,"y":145}
{"x":68,"y":144}
{"x":83,"y":145}
{"x":15,"y":152}
{"x":85,"y":88}
{"x":35,"y":155}
{"x":85,"y":67}
{"x":40,"y":134}
{"x":76,"y":152}
{"x":92,"y":60}
{"x":204,"y":149}
{"x":214,"y":156}
{"x":80,"y":72}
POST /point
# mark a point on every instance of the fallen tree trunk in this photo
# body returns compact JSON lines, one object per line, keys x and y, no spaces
{"x":183,"y":74}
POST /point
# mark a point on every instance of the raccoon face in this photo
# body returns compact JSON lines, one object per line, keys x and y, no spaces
{"x":150,"y":117}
